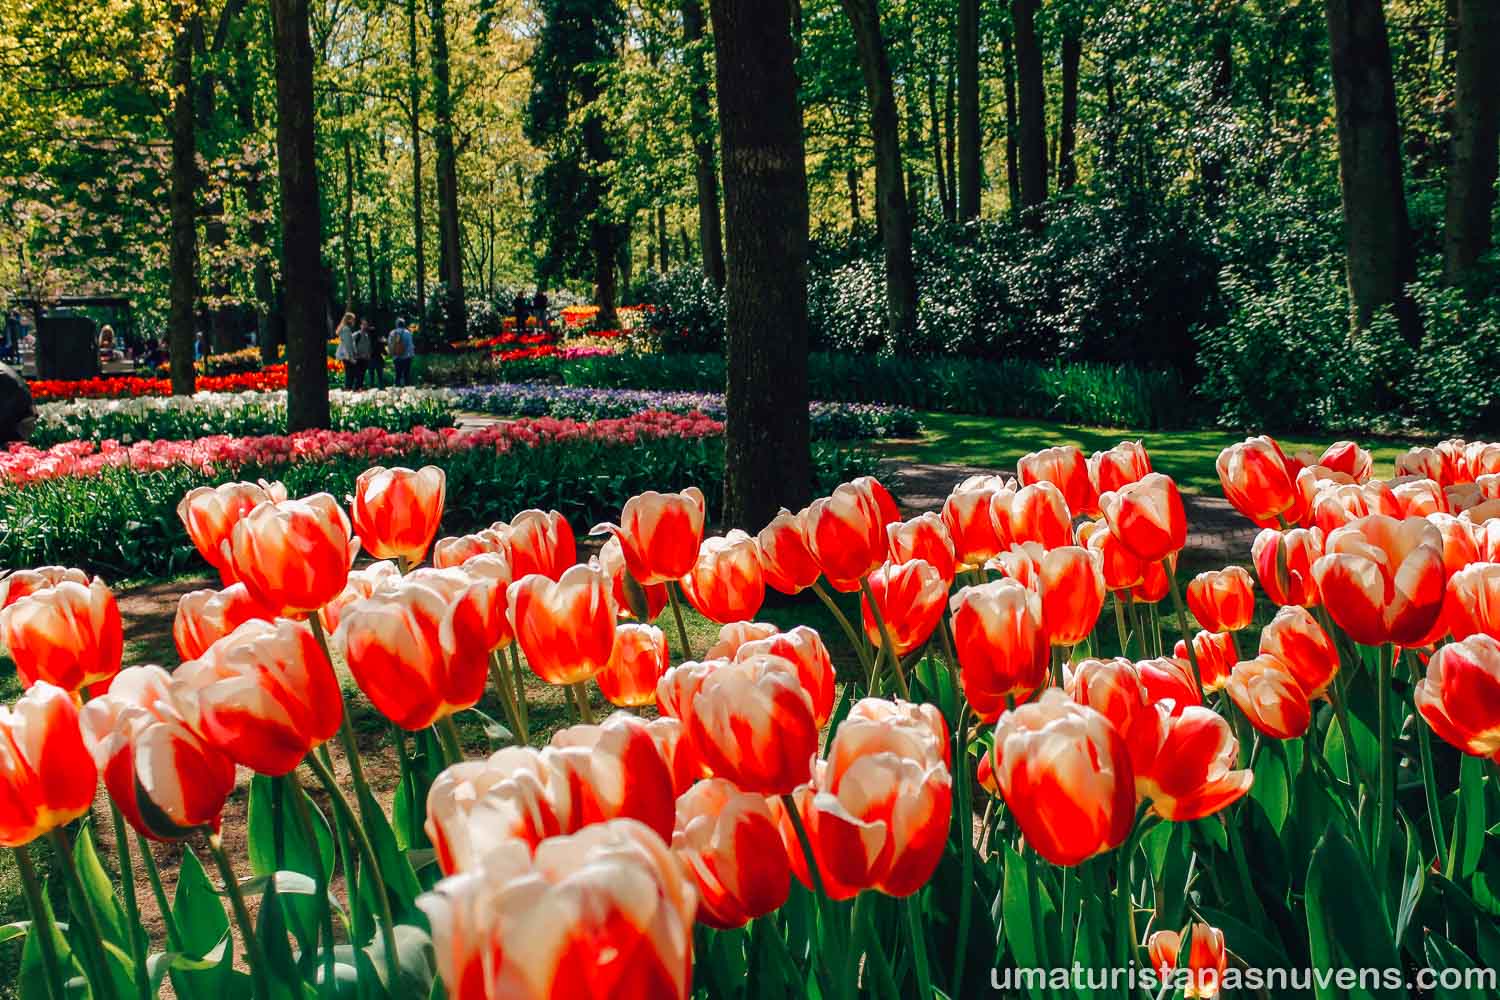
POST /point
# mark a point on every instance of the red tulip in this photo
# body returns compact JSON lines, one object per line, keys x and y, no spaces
{"x":659,"y":534}
{"x":726,"y":584}
{"x":1304,"y":650}
{"x":1436,"y":464}
{"x":419,"y":646}
{"x":396,"y":511}
{"x":1002,"y":648}
{"x":920,"y":722}
{"x":736,"y":634}
{"x":1064,"y":467}
{"x":1383,"y":579}
{"x":47,"y":778}
{"x":490,"y":572}
{"x":1065,"y":774}
{"x":1207,"y":960}
{"x":25,"y":582}
{"x":1169,"y":678}
{"x":885,"y":504}
{"x":449,"y":552}
{"x":294,"y":555}
{"x":923,"y":537}
{"x":361,"y":584}
{"x":1022,"y":562}
{"x":165,"y":777}
{"x":1265,"y":690}
{"x":1459,"y":545}
{"x":803,"y":647}
{"x":267,"y":695}
{"x":1147,"y":516}
{"x":1040,"y":513}
{"x":1460,"y":695}
{"x":1122,"y":568}
{"x":730,"y":844}
{"x":846,"y":535}
{"x":677,"y":751}
{"x":1192,"y":773}
{"x":1222,"y":600}
{"x":1113,"y":688}
{"x":606,"y":912}
{"x":1216,"y":653}
{"x":639,"y":659}
{"x":69,"y":635}
{"x":539,"y":542}
{"x":1348,"y":458}
{"x":1258,"y":479}
{"x":1472,"y":602}
{"x":566,"y":629}
{"x":1419,"y":497}
{"x":209,"y":513}
{"x":1291,"y":581}
{"x":910,"y":598}
{"x":785,"y":559}
{"x":1072,"y":585}
{"x":632,"y":598}
{"x":614,"y":770}
{"x":1126,"y":462}
{"x":1336,"y":504}
{"x":966,"y":515}
{"x":206,"y":616}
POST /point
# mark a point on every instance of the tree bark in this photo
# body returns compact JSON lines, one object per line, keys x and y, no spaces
{"x":456,"y":322}
{"x":351,"y":293}
{"x":950,"y":136}
{"x":301,"y":223}
{"x":414,"y":107}
{"x":710,"y":237}
{"x":767,"y":455}
{"x":183,"y":292}
{"x":1067,"y":128}
{"x":1475,"y":146}
{"x":1032,"y":144}
{"x":256,"y":205}
{"x":1376,"y":231}
{"x":969,"y":165}
{"x":1012,"y":169}
{"x":665,"y":236}
{"x":944,"y":182}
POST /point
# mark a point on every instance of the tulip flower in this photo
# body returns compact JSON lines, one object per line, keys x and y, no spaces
{"x":605,"y":912}
{"x":1147,"y":516}
{"x":1122,"y":568}
{"x":47,"y":777}
{"x":966,"y":515}
{"x":1459,"y":544}
{"x":165,"y":776}
{"x":539,"y":542}
{"x":1113,"y":688}
{"x":1269,"y":695}
{"x":730,"y":844}
{"x":1303,"y":648}
{"x":361,"y":584}
{"x":885,"y":505}
{"x":1169,"y":678}
{"x":396,"y":511}
{"x":1472,"y":602}
{"x":1206,"y":964}
{"x":1334,"y":505}
{"x":294,"y":555}
{"x":1155,"y":584}
{"x":1072,"y":585}
{"x":1222,"y":600}
{"x":1022,"y":562}
{"x":726,"y":584}
{"x":677,"y":751}
{"x":25,"y":582}
{"x":846,"y":535}
{"x":660,"y":534}
{"x":206,"y":616}
{"x":1348,"y":458}
{"x":923,"y":537}
{"x":1382,"y":579}
{"x":639,"y":659}
{"x":209,"y":513}
{"x":1001,"y":645}
{"x":1126,"y":462}
{"x":632,"y":598}
{"x":614,"y":769}
{"x":1066,"y":468}
{"x":736,"y":634}
{"x":491,"y":575}
{"x":1191,"y":773}
{"x":786,"y":561}
{"x":1258,"y":479}
{"x":266,"y":693}
{"x":919,"y":722}
{"x":69,"y":635}
{"x":1040,"y":513}
{"x":909,"y":597}
{"x":1288,"y":578}
{"x":566,"y":629}
{"x":418,"y":647}
{"x":1460,"y":695}
{"x":449,"y":552}
{"x":1419,"y":497}
{"x":1436,"y":464}
{"x":1065,"y":774}
{"x":1216,"y":653}
{"x":803,"y":647}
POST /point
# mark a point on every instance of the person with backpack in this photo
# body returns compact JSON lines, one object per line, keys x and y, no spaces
{"x":375,"y":369}
{"x":402,"y":350}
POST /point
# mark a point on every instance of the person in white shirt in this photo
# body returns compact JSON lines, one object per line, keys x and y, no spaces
{"x":345,"y":351}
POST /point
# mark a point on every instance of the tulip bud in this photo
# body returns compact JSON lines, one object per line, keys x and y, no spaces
{"x":539,"y":542}
{"x":1460,"y":695}
{"x":294,"y":556}
{"x":396,"y":511}
{"x":1001,"y":645}
{"x":1288,"y":578}
{"x":846,"y":535}
{"x":69,"y":635}
{"x":206,"y":616}
{"x":659,"y":534}
{"x":1040,"y":513}
{"x":1072,"y":585}
{"x":209,"y":513}
{"x":1270,"y":697}
{"x":449,"y":552}
{"x":1299,"y":643}
{"x":726,"y":584}
{"x":639,"y":660}
{"x":1067,"y":469}
{"x":785,"y":559}
{"x":910,"y":599}
{"x":736,"y":634}
{"x":732,"y":848}
{"x":1258,"y":479}
{"x":566,"y":629}
{"x":966,"y":515}
{"x":1207,"y":960}
{"x":1147,"y":516}
{"x":1222,"y":600}
{"x":1216,"y":653}
{"x":47,"y":777}
{"x":923,"y":537}
{"x":1126,"y":462}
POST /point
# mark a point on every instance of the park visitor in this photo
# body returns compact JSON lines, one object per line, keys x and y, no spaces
{"x":402,"y":350}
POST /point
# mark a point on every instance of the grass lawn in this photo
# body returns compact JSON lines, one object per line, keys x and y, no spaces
{"x":1187,"y":456}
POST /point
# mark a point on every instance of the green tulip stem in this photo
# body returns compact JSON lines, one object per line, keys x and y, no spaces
{"x":255,"y":954}
{"x":673,"y":587}
{"x":885,"y":639}
{"x":856,"y":640}
{"x":92,"y":932}
{"x":42,"y":924}
{"x":523,"y":711}
{"x":303,"y":809}
{"x":153,"y":876}
{"x":138,"y":942}
{"x":1182,"y":623}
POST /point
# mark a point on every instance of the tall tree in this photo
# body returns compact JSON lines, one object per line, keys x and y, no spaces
{"x":414,"y":116}
{"x":256,"y":199}
{"x":454,"y":310}
{"x":1377,"y":235}
{"x":969,"y":164}
{"x":301,"y":219}
{"x":1012,"y":169}
{"x":1031,"y":145}
{"x":710,"y":239}
{"x":1067,"y":126}
{"x":767,"y":454}
{"x":184,"y":210}
{"x":891,"y":210}
{"x":1475,"y":146}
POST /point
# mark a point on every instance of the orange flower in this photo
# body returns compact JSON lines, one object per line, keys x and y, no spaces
{"x":614,"y":769}
{"x":1383,"y":579}
{"x":659,"y":534}
{"x":726,"y":584}
{"x":804,"y":647}
{"x":455,"y":551}
{"x":165,"y":777}
{"x":846,"y":535}
{"x":1039,"y":513}
{"x":1066,"y":468}
{"x":1459,"y":544}
{"x":1192,"y":771}
{"x":966,"y":515}
{"x":1222,"y":600}
{"x":736,"y":634}
{"x":1460,"y":696}
{"x":266,"y":693}
{"x":1147,"y":517}
{"x":206,"y":616}
{"x":677,"y":751}
{"x":1299,"y":643}
{"x":1335,"y":504}
{"x":25,"y":582}
{"x":360,"y":584}
{"x":1065,"y":773}
{"x":1169,"y":678}
{"x":1022,"y":562}
{"x":732,"y":848}
{"x":539,"y":542}
{"x":924,"y":537}
{"x":1472,"y":602}
{"x":490,"y":573}
{"x":68,"y":635}
{"x":785,"y":560}
{"x":1126,"y":462}
{"x":639,"y":659}
{"x":1154,"y":584}
{"x":1072,"y":585}
{"x":1122,"y":569}
{"x":1216,"y":653}
{"x":605,"y":912}
{"x":885,"y":504}
{"x":396,"y":511}
{"x":1268,"y":694}
{"x":1207,"y":960}
{"x":1419,"y":497}
{"x":1348,"y":458}
{"x":1291,"y":582}
{"x":910,"y":598}
{"x":632,"y":598}
{"x":294,"y":555}
{"x":47,"y":778}
{"x":1258,"y":479}
{"x":566,"y":629}
{"x":1113,"y":688}
{"x":418,"y":646}
{"x":1001,"y":645}
{"x":209,"y":513}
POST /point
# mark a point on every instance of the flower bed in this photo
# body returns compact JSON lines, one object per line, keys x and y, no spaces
{"x":240,"y":414}
{"x":268,"y":379}
{"x":830,"y":421}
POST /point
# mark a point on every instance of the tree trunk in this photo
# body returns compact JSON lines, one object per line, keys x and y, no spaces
{"x":1376,"y":232}
{"x":851,"y":178}
{"x":184,"y":249}
{"x":1213,"y":160}
{"x":767,"y":455}
{"x":710,"y":239}
{"x":944,"y":182}
{"x":969,"y":164}
{"x":455,"y":316}
{"x":301,"y":225}
{"x":890,"y":187}
{"x":1067,"y":129}
{"x":651,"y":241}
{"x":351,"y":293}
{"x":1032,"y":144}
{"x":665,"y":236}
{"x":950,"y":137}
{"x":414,"y":103}
{"x":255,"y":205}
{"x":1475,"y":145}
{"x":1012,"y":169}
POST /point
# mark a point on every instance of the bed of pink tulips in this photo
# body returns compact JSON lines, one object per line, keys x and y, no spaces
{"x":1032,"y":760}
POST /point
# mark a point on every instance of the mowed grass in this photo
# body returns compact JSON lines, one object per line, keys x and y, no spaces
{"x":1187,"y":456}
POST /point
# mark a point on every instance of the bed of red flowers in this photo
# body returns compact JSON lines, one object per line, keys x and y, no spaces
{"x":270,"y":378}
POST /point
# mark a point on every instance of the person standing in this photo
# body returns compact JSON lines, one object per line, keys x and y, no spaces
{"x":10,"y":341}
{"x":345,"y":350}
{"x":539,"y":310}
{"x":518,"y":307}
{"x":363,"y":351}
{"x":375,"y":374}
{"x":402,"y":349}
